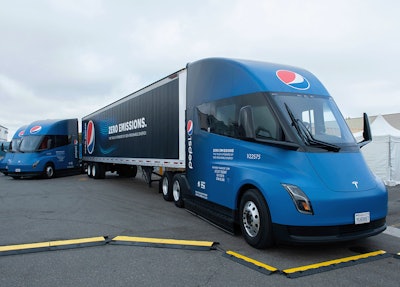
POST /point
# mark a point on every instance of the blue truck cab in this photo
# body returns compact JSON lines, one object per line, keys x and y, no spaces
{"x":4,"y":146}
{"x":47,"y":147}
{"x":268,"y":149}
{"x":13,"y":148}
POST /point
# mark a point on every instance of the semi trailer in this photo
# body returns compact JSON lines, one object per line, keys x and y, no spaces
{"x":251,"y":146}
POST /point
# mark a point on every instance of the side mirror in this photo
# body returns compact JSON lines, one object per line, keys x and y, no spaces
{"x":366,"y":133}
{"x":246,"y":123}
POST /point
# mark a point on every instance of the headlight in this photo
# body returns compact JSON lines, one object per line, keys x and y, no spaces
{"x":300,"y":199}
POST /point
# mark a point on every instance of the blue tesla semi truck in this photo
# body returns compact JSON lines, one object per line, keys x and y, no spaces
{"x":250,"y":146}
{"x":47,"y":147}
{"x":12,"y":149}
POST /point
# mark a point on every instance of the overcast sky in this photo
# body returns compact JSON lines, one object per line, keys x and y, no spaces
{"x":68,"y":58}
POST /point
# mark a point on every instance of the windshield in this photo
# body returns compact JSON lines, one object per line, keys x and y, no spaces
{"x":14,"y":145}
{"x":316,"y":119}
{"x":30,"y":143}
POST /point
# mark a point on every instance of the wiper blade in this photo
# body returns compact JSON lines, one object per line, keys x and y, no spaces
{"x":295,"y":123}
{"x":312,"y":141}
{"x":307,"y":136}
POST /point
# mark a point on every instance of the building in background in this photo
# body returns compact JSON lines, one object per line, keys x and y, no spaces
{"x":3,"y":133}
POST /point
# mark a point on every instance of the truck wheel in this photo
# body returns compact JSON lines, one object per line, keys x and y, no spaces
{"x":177,"y":190}
{"x":98,"y":171}
{"x":93,"y":170}
{"x":133,"y":171}
{"x":89,"y":170}
{"x":48,"y":171}
{"x":165,"y":185}
{"x":255,"y":220}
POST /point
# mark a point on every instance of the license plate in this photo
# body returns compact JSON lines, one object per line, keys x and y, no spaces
{"x":17,"y":170}
{"x":362,"y":217}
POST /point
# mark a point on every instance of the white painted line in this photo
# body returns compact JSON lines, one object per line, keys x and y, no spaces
{"x":390,"y":230}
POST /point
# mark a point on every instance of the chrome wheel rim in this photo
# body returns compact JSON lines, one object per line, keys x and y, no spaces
{"x":251,"y":219}
{"x":49,"y":171}
{"x":165,"y":186}
{"x":176,"y":190}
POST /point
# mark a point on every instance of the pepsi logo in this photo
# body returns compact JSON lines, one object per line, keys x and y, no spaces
{"x":189,"y":127}
{"x":90,"y":132}
{"x":35,"y":129}
{"x":293,"y":79}
{"x":21,"y":133}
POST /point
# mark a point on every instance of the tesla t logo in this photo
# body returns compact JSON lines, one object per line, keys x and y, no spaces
{"x":355,"y":184}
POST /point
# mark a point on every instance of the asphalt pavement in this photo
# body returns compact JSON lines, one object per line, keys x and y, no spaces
{"x":77,"y":207}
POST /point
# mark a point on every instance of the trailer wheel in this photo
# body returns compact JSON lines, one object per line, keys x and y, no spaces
{"x":133,"y":171}
{"x":89,"y":170}
{"x":48,"y":171}
{"x":255,"y":220}
{"x":98,"y":171}
{"x":178,"y":189}
{"x":165,"y":185}
{"x":93,"y":170}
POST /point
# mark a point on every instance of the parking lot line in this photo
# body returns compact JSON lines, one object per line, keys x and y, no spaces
{"x":334,"y":264}
{"x":51,"y":245}
{"x":249,"y":262}
{"x":161,"y":242}
{"x":393,"y":231}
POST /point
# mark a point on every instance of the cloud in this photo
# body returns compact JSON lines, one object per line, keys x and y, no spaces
{"x":69,"y":58}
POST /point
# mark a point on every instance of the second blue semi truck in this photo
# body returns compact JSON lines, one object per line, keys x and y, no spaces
{"x":12,"y":149}
{"x":247,"y":145}
{"x":47,"y":147}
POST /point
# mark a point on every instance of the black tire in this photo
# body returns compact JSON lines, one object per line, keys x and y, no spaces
{"x":178,"y":188}
{"x":48,"y":171}
{"x":165,"y":185}
{"x":255,"y":220}
{"x":89,"y":170}
{"x":98,"y":171}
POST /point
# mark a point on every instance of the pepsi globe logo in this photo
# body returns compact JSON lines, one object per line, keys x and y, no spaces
{"x":21,"y":133}
{"x":293,"y":80}
{"x":90,"y":137}
{"x":35,"y":129}
{"x":189,"y":127}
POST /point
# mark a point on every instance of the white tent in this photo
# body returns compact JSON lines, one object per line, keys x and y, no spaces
{"x":383,"y":153}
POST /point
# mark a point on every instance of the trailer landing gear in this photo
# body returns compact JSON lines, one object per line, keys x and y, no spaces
{"x":147,"y":173}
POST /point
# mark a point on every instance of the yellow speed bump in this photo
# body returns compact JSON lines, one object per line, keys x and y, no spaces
{"x":51,"y":245}
{"x":251,"y":263}
{"x":167,"y":243}
{"x":334,"y":264}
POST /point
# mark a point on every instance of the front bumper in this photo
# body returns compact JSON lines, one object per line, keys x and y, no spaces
{"x":327,"y":234}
